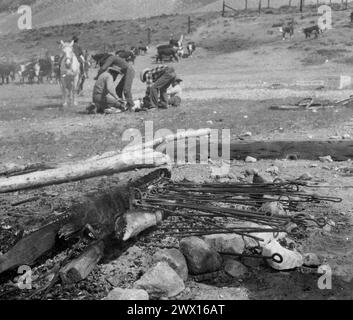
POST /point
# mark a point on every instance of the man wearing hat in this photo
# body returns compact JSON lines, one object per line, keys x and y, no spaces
{"x":79,"y":53}
{"x":159,"y":80}
{"x":128,"y":74}
{"x":104,"y":95}
{"x":174,"y":93}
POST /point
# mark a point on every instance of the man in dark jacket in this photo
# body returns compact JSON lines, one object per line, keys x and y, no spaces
{"x":128,"y":73}
{"x":158,"y":80}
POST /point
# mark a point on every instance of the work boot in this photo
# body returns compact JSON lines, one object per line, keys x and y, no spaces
{"x":91,"y":109}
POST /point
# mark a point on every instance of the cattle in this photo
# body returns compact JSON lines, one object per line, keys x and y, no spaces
{"x":143,"y":49}
{"x":287,"y":29}
{"x":309,"y":30}
{"x":128,"y":56}
{"x":46,"y":69}
{"x":7,"y":72}
{"x":191,"y":47}
{"x":163,"y":51}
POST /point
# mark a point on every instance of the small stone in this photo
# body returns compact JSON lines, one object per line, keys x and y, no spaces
{"x":327,"y":228}
{"x":200,"y":257}
{"x":335,"y":138}
{"x":235,"y":269}
{"x":175,"y":259}
{"x":246,"y":134}
{"x":313,"y":165}
{"x":127,"y":294}
{"x":161,"y":281}
{"x":226,"y":243}
{"x":326,"y":159}
{"x":262,"y":178}
{"x":273,"y":170}
{"x":273,"y":208}
{"x":249,"y":159}
{"x":311,"y":260}
{"x":306,"y":177}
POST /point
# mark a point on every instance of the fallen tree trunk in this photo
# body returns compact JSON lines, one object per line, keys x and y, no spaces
{"x":84,"y":170}
{"x":339,"y":150}
{"x":79,"y":268}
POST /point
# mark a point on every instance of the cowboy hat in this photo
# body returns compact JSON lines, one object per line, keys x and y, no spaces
{"x":143,"y":74}
{"x":114,"y":68}
{"x":75,"y":38}
{"x":177,"y":79}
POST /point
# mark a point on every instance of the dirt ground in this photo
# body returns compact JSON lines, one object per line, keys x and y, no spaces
{"x":228,"y":87}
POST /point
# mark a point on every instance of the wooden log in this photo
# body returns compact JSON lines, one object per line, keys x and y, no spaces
{"x":339,"y":150}
{"x":30,"y":247}
{"x":132,"y":223}
{"x":84,"y":170}
{"x":80,"y":268}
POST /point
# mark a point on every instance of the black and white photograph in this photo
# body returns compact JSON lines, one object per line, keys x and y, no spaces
{"x":181,"y":155}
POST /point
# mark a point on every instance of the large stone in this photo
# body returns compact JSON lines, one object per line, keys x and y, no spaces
{"x":200,"y":257}
{"x":226,"y":243}
{"x":235,"y":268}
{"x":175,"y":259}
{"x":161,"y":281}
{"x":291,"y":259}
{"x":127,"y":294}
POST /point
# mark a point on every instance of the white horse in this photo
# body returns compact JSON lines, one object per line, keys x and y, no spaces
{"x":69,"y":73}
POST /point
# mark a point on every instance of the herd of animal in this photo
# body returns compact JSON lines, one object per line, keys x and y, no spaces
{"x":35,"y":69}
{"x":289,"y":28}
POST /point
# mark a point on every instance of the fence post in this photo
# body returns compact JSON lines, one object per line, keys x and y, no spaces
{"x":223,"y":8}
{"x":246,"y":4}
{"x":259,"y":6}
{"x":301,"y":5}
{"x":289,"y":3}
{"x":149,"y":35}
{"x":189,"y":24}
{"x":268,"y":4}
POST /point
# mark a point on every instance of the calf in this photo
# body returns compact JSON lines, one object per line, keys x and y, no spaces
{"x":191,"y":47}
{"x":287,"y":29}
{"x":166,"y":52}
{"x":7,"y":72}
{"x":143,"y":49}
{"x":309,"y":30}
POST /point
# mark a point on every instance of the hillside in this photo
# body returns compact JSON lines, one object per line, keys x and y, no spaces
{"x":49,"y":12}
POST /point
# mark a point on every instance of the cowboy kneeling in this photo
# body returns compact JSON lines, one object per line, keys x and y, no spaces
{"x":105,"y":98}
{"x":158,"y":79}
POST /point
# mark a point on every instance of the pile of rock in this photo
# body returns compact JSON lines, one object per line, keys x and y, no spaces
{"x":208,"y":255}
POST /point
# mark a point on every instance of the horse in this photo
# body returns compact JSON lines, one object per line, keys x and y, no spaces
{"x":69,"y":73}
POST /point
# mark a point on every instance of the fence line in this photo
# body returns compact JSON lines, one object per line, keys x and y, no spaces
{"x":301,"y":5}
